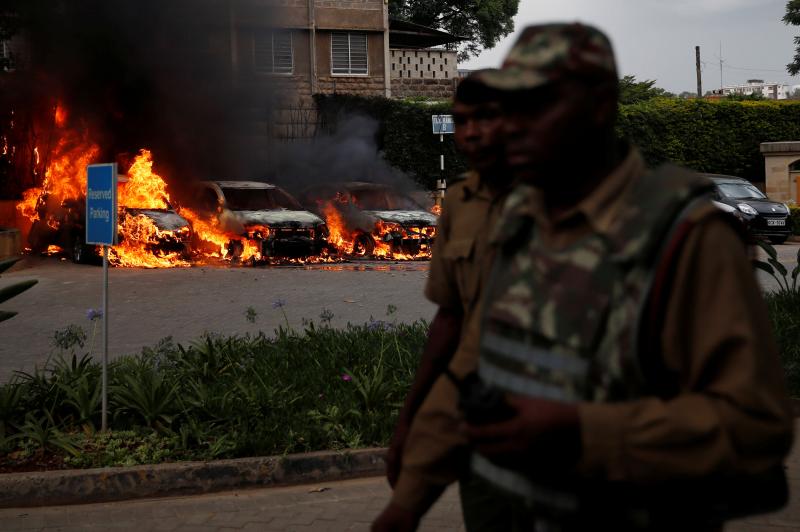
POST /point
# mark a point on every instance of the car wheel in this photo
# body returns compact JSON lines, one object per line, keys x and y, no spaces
{"x":364,"y":245}
{"x":79,"y":253}
{"x":39,"y":237}
{"x":778,"y":239}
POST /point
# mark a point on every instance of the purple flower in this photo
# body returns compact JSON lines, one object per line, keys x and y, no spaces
{"x":379,"y":325}
{"x":346,"y":377}
{"x":278,"y":303}
{"x":94,"y":314}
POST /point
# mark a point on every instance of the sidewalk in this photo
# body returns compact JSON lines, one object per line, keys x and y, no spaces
{"x":338,"y":506}
{"x":341,"y":506}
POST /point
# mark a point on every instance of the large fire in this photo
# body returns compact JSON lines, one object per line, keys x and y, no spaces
{"x":379,"y":243}
{"x":156,"y":232}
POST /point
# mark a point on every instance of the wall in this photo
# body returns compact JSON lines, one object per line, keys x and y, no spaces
{"x":778,"y":156}
{"x":372,"y":84}
{"x":427,"y":73}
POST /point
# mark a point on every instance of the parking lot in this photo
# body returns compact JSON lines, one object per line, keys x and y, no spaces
{"x":147,"y":305}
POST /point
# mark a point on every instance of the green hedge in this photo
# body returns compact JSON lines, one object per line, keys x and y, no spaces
{"x":719,"y":137}
{"x":405,"y":134}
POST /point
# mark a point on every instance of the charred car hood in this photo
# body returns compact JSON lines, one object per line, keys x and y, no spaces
{"x":278,"y":218}
{"x":412,"y":218}
{"x":163,"y":219}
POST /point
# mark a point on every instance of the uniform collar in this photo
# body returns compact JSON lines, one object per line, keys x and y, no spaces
{"x":475,"y":186}
{"x":600,"y":207}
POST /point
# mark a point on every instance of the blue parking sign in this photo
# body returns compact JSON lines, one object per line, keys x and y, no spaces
{"x":101,"y":204}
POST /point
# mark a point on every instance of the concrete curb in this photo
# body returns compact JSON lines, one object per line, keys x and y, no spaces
{"x":81,"y":486}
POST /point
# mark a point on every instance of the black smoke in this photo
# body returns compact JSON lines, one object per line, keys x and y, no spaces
{"x":148,"y":73}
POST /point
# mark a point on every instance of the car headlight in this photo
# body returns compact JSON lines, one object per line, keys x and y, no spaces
{"x":786,"y":207}
{"x":747,"y":209}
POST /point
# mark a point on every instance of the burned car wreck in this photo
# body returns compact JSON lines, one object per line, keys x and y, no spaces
{"x":265,"y":221}
{"x":372,"y":219}
{"x":159,"y":232}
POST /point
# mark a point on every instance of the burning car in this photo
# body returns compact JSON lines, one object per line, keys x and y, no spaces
{"x":371,"y":219}
{"x":153,"y":233}
{"x":263,"y":220}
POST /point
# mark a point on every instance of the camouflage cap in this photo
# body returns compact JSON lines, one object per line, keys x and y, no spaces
{"x":550,"y":52}
{"x":473,"y":90}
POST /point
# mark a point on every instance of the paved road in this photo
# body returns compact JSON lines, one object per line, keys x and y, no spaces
{"x":340,"y":506}
{"x":147,"y":305}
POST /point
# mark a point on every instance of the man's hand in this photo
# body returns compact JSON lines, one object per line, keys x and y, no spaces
{"x":395,"y":519}
{"x":543,"y":436}
{"x":395,"y":454}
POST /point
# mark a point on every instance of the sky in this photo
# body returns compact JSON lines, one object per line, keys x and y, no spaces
{"x":655,"y":39}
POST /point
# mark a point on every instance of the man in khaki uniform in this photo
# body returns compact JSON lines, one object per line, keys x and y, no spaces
{"x":460,"y":259}
{"x":622,"y":323}
{"x":459,"y":264}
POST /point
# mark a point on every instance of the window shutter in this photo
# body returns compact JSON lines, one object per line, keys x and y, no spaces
{"x":282,"y":52}
{"x":272,"y":52}
{"x":262,"y":52}
{"x":340,"y":53}
{"x":349,"y":53}
{"x":358,"y":53}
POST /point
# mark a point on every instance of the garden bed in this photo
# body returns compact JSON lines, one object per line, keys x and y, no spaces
{"x":220,"y":397}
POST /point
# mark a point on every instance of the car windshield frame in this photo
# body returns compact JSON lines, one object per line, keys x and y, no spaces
{"x":258,"y":199}
{"x":728,"y":190}
{"x":379,"y":199}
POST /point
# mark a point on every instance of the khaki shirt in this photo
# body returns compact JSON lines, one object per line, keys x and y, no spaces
{"x":459,"y":265}
{"x":732,"y":414}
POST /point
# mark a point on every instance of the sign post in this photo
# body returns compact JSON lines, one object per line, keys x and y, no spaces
{"x":101,"y":229}
{"x":442,"y":125}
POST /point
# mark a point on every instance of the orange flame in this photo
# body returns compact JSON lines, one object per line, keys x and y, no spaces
{"x":60,"y":116}
{"x":349,"y":242}
{"x":138,"y":246}
{"x":144,"y":188}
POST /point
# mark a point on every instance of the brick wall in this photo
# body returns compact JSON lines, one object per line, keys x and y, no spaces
{"x":440,"y":89}
{"x":423,"y":64}
{"x":427,"y":73}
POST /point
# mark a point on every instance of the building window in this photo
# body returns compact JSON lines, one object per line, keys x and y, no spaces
{"x":272,"y":52}
{"x":349,"y":53}
{"x":5,"y":56}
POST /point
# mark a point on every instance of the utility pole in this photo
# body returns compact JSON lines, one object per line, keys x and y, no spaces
{"x":720,"y":66}
{"x":699,"y":72}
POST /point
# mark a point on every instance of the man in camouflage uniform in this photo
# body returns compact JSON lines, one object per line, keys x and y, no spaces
{"x":641,"y":388}
{"x":459,"y":265}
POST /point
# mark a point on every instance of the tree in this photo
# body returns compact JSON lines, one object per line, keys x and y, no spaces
{"x":633,"y":91}
{"x":481,"y":22}
{"x":792,"y":17}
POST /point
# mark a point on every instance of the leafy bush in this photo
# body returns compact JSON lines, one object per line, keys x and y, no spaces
{"x":405,"y":134}
{"x":784,"y":309}
{"x":296,"y":391}
{"x":7,"y":292}
{"x":720,"y":137}
{"x":709,"y":136}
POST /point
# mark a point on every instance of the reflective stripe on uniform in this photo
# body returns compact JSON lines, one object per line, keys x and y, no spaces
{"x":528,"y":354}
{"x":522,"y":486}
{"x":499,"y":377}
